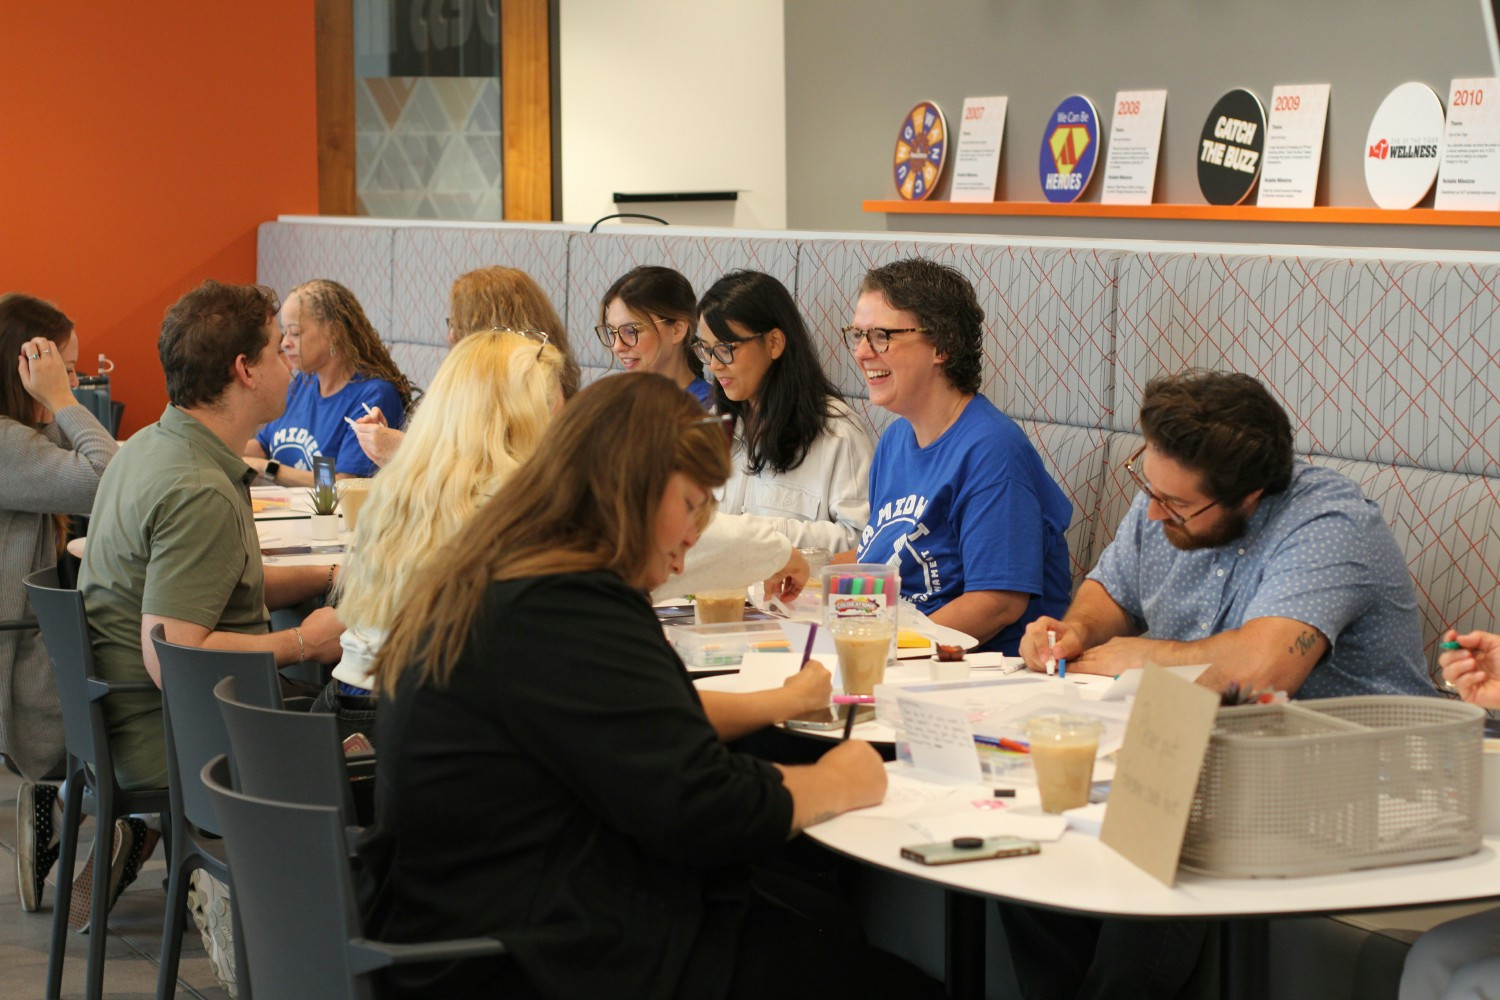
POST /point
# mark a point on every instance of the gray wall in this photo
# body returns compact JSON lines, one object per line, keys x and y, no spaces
{"x":854,"y":68}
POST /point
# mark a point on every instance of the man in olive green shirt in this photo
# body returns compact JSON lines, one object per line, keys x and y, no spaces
{"x":171,"y":538}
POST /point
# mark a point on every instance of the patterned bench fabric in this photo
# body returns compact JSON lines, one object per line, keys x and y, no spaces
{"x":1074,"y":456}
{"x":595,"y":260}
{"x":1377,"y":360}
{"x":1049,"y":320}
{"x":424,"y":261}
{"x":357,"y":257}
{"x":1448,"y":526}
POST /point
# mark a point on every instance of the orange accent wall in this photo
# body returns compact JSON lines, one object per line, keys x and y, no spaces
{"x":140,"y":147}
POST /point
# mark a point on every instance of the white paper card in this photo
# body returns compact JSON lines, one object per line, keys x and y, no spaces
{"x":1033,"y":824}
{"x":1134,"y":144}
{"x":940,"y":738}
{"x":1469,"y":178}
{"x":1129,"y":682}
{"x":761,"y":671}
{"x":977,"y":162}
{"x":1294,"y":145}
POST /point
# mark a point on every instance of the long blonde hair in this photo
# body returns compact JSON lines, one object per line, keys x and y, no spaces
{"x":484,"y":414}
{"x":586,"y":501}
{"x":508,"y":298}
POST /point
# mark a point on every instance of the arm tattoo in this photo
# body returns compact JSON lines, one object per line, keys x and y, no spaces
{"x":1303,"y":643}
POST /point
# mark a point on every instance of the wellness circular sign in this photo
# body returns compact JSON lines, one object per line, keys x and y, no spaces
{"x":1230,"y":148}
{"x":1070,"y":149}
{"x":921,"y":147}
{"x":1404,"y":145}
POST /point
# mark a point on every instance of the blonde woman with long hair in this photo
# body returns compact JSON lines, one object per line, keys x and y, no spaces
{"x":550,"y":774}
{"x":342,"y":371}
{"x":486,"y":410}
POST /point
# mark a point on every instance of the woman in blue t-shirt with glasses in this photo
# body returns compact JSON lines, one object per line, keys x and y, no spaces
{"x":342,"y":371}
{"x":960,"y":502}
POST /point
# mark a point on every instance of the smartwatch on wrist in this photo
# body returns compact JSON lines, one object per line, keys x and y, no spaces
{"x":272,"y":467}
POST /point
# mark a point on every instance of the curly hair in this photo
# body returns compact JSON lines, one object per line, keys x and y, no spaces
{"x":1223,"y":425}
{"x":946,"y":307}
{"x":351,"y":334}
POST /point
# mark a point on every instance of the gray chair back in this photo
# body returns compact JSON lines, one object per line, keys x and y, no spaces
{"x":295,"y":894}
{"x":65,"y":633}
{"x":195,"y":731}
{"x":283,"y":755}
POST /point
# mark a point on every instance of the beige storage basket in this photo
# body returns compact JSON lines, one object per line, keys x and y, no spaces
{"x":1315,"y":787}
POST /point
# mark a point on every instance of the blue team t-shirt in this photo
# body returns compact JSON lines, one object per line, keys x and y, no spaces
{"x":974,"y":510}
{"x":313,"y":425}
{"x":702,"y":392}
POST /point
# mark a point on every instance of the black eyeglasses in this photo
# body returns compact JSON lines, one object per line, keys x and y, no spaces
{"x":723,"y":351}
{"x":1178,"y":519}
{"x":628,"y":333}
{"x":878,"y":337}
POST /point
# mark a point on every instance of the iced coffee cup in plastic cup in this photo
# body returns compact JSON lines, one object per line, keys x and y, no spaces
{"x":352,"y":496}
{"x":710,"y":607}
{"x":1063,"y":748}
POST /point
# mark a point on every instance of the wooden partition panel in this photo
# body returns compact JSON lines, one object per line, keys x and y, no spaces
{"x":334,"y":34}
{"x":526,"y":109}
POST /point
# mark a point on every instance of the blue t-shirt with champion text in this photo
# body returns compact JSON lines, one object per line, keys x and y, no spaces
{"x":974,"y":510}
{"x":313,"y":425}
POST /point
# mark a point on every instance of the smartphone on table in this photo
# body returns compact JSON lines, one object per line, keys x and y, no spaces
{"x":958,"y":849}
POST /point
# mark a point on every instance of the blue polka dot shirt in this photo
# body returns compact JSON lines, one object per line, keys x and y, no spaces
{"x":1319,"y":553}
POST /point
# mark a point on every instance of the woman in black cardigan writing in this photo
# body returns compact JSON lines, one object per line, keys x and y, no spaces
{"x":549,"y":775}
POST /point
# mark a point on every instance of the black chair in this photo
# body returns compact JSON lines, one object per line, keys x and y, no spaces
{"x":287,"y":756}
{"x":296,"y":900}
{"x":90,"y":769}
{"x":195,"y":735}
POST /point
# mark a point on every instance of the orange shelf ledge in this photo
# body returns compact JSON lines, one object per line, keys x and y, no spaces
{"x":1201,"y":213}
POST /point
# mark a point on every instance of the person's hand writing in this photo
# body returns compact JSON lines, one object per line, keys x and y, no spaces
{"x":376,"y":438}
{"x":320,"y":636}
{"x":860,"y":771}
{"x":1034,"y":649}
{"x":44,"y":374}
{"x":788,"y":581}
{"x":811,"y":688}
{"x":1474,"y":668}
{"x":1111,"y":658}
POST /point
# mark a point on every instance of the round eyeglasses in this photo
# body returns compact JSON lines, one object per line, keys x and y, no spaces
{"x":879,"y":338}
{"x":626,"y":333}
{"x":722,"y":352}
{"x":1178,"y":519}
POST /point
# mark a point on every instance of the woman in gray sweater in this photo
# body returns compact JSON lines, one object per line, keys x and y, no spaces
{"x":53,"y":452}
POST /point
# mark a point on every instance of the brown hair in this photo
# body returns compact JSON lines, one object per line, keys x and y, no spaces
{"x":945,"y":305}
{"x":1225,"y":426}
{"x":506,"y":298}
{"x":350,"y":333}
{"x":204,"y":331}
{"x":586,"y":501}
{"x":23,"y":317}
{"x":651,"y":291}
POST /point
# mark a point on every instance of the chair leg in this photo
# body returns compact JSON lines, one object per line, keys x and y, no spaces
{"x":104,"y":842}
{"x":62,"y":899}
{"x":179,"y":867}
{"x":241,"y":962}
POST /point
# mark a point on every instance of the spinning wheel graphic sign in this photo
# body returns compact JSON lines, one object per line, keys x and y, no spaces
{"x":921,"y":148}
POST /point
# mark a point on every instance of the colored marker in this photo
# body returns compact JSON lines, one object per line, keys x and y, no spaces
{"x":854,"y":699}
{"x":1450,"y":646}
{"x":1062,"y":667}
{"x":368,"y":411}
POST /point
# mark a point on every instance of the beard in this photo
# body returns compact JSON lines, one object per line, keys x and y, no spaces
{"x":1230,"y":529}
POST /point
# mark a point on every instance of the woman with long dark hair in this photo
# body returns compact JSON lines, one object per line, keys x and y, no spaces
{"x":801,"y":455}
{"x":53,"y":452}
{"x":548,"y":773}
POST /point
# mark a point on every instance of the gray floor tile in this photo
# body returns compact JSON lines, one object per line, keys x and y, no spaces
{"x":135,"y":925}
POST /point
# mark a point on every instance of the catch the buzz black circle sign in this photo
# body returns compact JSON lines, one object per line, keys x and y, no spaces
{"x":1229,"y":151}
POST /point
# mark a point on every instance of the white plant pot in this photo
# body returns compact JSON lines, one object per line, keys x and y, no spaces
{"x":324,"y":527}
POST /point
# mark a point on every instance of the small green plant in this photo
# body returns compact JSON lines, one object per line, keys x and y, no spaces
{"x":325,"y":499}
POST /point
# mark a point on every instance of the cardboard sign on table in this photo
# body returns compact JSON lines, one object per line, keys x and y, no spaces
{"x":1157,"y":774}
